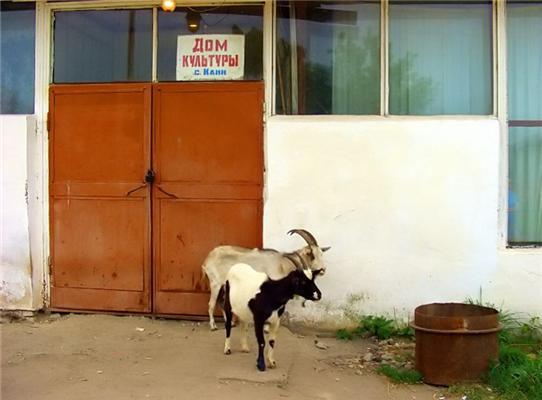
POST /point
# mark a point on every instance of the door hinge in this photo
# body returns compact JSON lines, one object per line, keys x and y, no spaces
{"x":48,"y":124}
{"x":50,"y":266}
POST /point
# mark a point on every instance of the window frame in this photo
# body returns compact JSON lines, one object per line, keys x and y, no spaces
{"x":505,"y":124}
{"x":385,"y":76}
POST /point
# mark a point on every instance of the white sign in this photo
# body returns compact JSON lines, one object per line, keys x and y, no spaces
{"x":210,"y":57}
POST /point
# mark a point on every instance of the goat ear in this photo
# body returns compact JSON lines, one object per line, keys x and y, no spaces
{"x":324,"y":249}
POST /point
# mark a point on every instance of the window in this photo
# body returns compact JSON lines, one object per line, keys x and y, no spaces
{"x":17,"y":37}
{"x":328,"y":57}
{"x":440,"y":57}
{"x":245,"y":19}
{"x":102,"y":46}
{"x":524,"y":30}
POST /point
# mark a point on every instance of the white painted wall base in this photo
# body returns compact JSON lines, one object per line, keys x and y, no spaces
{"x":16,"y":286}
{"x":15,"y":283}
{"x":409,"y":206}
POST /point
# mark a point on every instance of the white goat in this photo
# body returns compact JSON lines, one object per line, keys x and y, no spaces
{"x":273,"y":263}
{"x":255,"y":298}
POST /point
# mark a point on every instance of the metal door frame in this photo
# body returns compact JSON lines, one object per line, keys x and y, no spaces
{"x":40,"y":235}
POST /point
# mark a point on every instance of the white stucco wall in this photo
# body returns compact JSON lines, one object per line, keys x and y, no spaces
{"x":15,"y":261}
{"x":409,"y":206}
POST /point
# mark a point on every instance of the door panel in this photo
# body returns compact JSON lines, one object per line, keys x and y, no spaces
{"x":208,"y":158}
{"x":214,"y":141}
{"x":94,"y":232}
{"x":100,"y":233}
{"x":197,"y":226}
{"x":94,"y":123}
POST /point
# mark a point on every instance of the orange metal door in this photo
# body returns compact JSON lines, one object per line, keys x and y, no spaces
{"x":208,"y":158}
{"x":100,"y":232}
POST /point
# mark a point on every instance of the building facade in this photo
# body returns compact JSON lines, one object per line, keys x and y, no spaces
{"x":405,"y":135}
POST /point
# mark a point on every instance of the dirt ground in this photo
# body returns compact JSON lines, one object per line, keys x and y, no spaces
{"x":110,"y":357}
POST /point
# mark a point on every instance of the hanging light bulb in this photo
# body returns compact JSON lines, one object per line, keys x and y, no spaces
{"x":168,"y":5}
{"x":193,"y":20}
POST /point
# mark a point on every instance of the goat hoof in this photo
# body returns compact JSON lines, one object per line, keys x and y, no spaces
{"x":227,"y":352}
{"x":245,"y":350}
{"x":213,"y":327}
{"x":272,"y":364}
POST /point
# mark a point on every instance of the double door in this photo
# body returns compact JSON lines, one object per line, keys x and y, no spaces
{"x":145,"y":179}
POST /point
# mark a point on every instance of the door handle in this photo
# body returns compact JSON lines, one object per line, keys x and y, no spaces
{"x":149,"y":179}
{"x":166,"y":193}
{"x":129,"y":192}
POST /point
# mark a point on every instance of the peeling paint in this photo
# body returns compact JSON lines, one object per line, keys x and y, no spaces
{"x":15,"y":265}
{"x":15,"y":288}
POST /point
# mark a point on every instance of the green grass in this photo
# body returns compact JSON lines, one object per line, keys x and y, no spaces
{"x":517,"y":375}
{"x":380,"y":327}
{"x":343,"y":334}
{"x":400,"y":375}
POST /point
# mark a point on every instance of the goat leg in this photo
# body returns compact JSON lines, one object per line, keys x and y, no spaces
{"x":273,"y":329}
{"x":229,"y":316}
{"x":258,"y":327}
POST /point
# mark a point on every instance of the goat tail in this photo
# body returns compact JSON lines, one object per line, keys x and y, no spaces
{"x":203,"y":276}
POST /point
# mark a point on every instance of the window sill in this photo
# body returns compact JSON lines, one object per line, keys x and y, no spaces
{"x":337,"y":117}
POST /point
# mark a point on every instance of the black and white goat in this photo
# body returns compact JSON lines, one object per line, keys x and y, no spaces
{"x":255,"y":298}
{"x":273,"y":263}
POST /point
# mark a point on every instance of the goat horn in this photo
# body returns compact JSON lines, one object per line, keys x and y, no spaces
{"x":297,"y":260}
{"x":311,"y":241}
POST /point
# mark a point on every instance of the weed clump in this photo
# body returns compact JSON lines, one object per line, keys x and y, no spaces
{"x":380,"y":327}
{"x":517,"y":375}
{"x":400,"y":375}
{"x":343,"y":334}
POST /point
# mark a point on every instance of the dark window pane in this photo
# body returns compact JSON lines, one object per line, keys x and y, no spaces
{"x":17,"y":36}
{"x":440,"y":57}
{"x":103,"y":46}
{"x":246,"y":20}
{"x":328,"y":57}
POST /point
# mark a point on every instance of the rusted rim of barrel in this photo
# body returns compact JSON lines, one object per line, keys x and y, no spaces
{"x":457,"y":318}
{"x":457,"y":331}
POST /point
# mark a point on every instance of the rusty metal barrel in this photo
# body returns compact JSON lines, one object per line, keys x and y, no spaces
{"x":455,"y":342}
